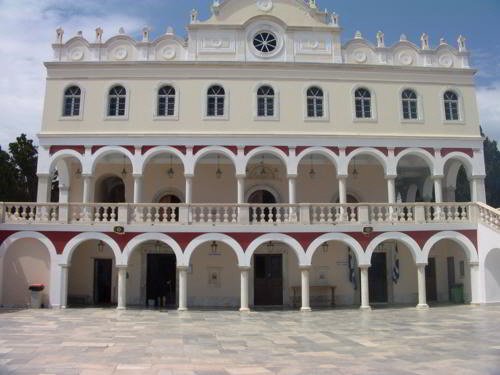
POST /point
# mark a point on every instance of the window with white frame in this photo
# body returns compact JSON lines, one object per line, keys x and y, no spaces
{"x":451,"y":106}
{"x":166,"y":101}
{"x":117,"y":100}
{"x":315,"y":102}
{"x":265,"y":101}
{"x":410,"y":104}
{"x":72,"y":101}
{"x":363,"y":103}
{"x":215,"y":101}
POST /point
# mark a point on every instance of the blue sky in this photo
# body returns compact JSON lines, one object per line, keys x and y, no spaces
{"x":27,"y":27}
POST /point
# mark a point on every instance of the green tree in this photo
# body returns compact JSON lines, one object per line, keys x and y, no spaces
{"x":23,"y":159}
{"x":8,"y":180}
{"x":492,"y":164}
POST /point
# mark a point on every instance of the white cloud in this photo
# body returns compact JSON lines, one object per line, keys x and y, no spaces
{"x":27,"y":29}
{"x":489,"y":107}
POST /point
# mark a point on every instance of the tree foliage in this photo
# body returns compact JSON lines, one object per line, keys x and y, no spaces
{"x":492,"y":164}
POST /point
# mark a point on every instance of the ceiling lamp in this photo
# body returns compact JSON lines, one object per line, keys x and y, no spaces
{"x":312,"y":172}
{"x":218,"y":172}
{"x":170,"y":171}
{"x":324,"y":246}
{"x":124,"y":171}
{"x":100,"y":246}
{"x":354,"y":170}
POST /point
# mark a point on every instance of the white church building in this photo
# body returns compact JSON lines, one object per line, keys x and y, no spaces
{"x":259,"y":161}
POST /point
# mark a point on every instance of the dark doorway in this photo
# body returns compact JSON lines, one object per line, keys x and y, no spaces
{"x":451,"y":274}
{"x":262,"y":214}
{"x":377,"y":278}
{"x":160,"y":284}
{"x":268,"y":279}
{"x":112,"y":190}
{"x":169,"y":213}
{"x":102,"y":281}
{"x":430,"y":280}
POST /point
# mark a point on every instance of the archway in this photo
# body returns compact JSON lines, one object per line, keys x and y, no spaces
{"x":109,"y":189}
{"x":113,"y":177}
{"x":492,"y":276}
{"x":413,"y":171}
{"x":456,"y":183}
{"x":164,"y":173}
{"x":313,"y":168}
{"x":260,"y":211}
{"x":365,"y":170}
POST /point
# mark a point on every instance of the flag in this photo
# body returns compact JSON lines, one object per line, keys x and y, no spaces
{"x":351,"y":262}
{"x":395,"y":267}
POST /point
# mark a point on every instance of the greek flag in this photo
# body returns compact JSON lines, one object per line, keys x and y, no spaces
{"x":351,"y":262}
{"x":395,"y":267}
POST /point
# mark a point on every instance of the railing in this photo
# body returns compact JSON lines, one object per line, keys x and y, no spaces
{"x":247,"y":214}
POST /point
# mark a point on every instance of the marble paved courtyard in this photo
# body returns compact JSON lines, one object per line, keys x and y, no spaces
{"x":443,"y":340}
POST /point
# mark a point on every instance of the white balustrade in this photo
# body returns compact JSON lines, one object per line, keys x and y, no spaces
{"x":94,"y":213}
{"x":392,"y":213}
{"x":18,"y":213}
{"x":334,"y":213}
{"x":489,"y":216}
{"x":274,"y":213}
{"x":447,"y":212}
{"x":214,"y":214}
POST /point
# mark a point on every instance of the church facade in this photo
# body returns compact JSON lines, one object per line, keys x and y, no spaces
{"x":258,"y":162}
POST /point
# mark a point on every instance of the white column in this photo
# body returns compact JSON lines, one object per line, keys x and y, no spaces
{"x":438,"y":188}
{"x":304,"y":272}
{"x":474,"y":283}
{"x":391,"y":189}
{"x":189,"y":189}
{"x":44,"y":188}
{"x":182,"y":288}
{"x":122,"y":288}
{"x":138,"y":189}
{"x":64,"y":285}
{"x":87,"y":188}
{"x":291,"y":189}
{"x":365,"y":292}
{"x":241,"y":189}
{"x":244,"y":289}
{"x":478,"y":193}
{"x":342,"y":189}
{"x":422,"y":297}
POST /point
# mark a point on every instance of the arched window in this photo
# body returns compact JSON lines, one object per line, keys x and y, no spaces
{"x":410,"y":105}
{"x":166,"y":101}
{"x":117,"y":100}
{"x":363,"y":102}
{"x":215,"y":101}
{"x":451,"y":106}
{"x":315,"y":106}
{"x":72,"y":98}
{"x":265,"y":101}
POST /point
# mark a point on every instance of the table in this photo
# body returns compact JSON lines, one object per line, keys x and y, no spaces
{"x":324,"y":289}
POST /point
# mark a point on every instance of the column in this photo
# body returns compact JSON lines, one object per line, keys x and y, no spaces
{"x":189,"y":189}
{"x":87,"y":182}
{"x":474,"y":283}
{"x":391,"y":189}
{"x":64,"y":284}
{"x":241,"y":189}
{"x":291,"y":189}
{"x":422,"y":297}
{"x":438,"y":188}
{"x":304,"y":272}
{"x":478,"y":193}
{"x":122,"y":287}
{"x":182,"y":288}
{"x":365,"y":292}
{"x":137,"y":188}
{"x":342,"y":189}
{"x":244,"y":289}
{"x":44,"y":187}
{"x":63,"y":198}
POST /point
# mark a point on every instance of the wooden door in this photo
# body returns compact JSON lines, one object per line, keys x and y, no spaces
{"x":377,"y":278}
{"x":160,"y":281}
{"x":268,"y":279}
{"x":102,"y":280}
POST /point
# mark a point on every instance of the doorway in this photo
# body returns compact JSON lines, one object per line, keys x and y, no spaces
{"x":377,"y":278}
{"x":169,"y":213}
{"x":430,"y":280}
{"x":160,"y":281}
{"x":102,"y":281}
{"x":262,"y":213}
{"x":268,"y":279}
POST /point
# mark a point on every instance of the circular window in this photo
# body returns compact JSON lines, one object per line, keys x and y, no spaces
{"x":265,"y":42}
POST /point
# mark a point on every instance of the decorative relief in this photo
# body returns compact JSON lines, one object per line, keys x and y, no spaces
{"x":76,"y":54}
{"x":265,"y":5}
{"x":168,"y":53}
{"x":120,"y":53}
{"x":313,"y":45}
{"x":446,"y":61}
{"x":360,"y":56}
{"x":405,"y":58}
{"x":216,"y":43}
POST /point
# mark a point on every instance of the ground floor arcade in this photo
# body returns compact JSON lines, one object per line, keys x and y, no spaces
{"x":242,"y":272}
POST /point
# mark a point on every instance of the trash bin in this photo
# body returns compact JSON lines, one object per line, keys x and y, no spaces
{"x":457,"y":293}
{"x":36,"y":295}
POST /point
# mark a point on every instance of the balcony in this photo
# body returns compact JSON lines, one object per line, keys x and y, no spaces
{"x":163,"y":215}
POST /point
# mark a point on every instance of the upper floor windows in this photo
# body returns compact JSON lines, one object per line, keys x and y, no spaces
{"x":166,"y":101}
{"x":363,"y":103}
{"x":216,"y":97}
{"x":265,"y":102}
{"x":410,"y":104}
{"x":117,"y":101}
{"x":451,"y":106}
{"x":315,"y":102}
{"x":72,"y":101}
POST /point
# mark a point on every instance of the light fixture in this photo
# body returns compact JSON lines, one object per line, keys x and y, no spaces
{"x":213,"y":248}
{"x":124,"y":171}
{"x":312,"y":172}
{"x":100,"y":246}
{"x":78,"y":172}
{"x":263,"y":168}
{"x":324,"y":246}
{"x":170,"y":172}
{"x":354,"y":169}
{"x":218,"y":172}
{"x":157,"y":246}
{"x":270,"y":246}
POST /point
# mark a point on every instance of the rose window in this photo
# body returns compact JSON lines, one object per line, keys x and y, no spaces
{"x":265,"y":42}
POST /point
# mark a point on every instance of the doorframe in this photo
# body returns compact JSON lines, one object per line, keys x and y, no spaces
{"x":94,"y":282}
{"x":389,"y":262}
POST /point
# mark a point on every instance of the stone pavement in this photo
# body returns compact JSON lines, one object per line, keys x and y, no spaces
{"x":443,"y":340}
